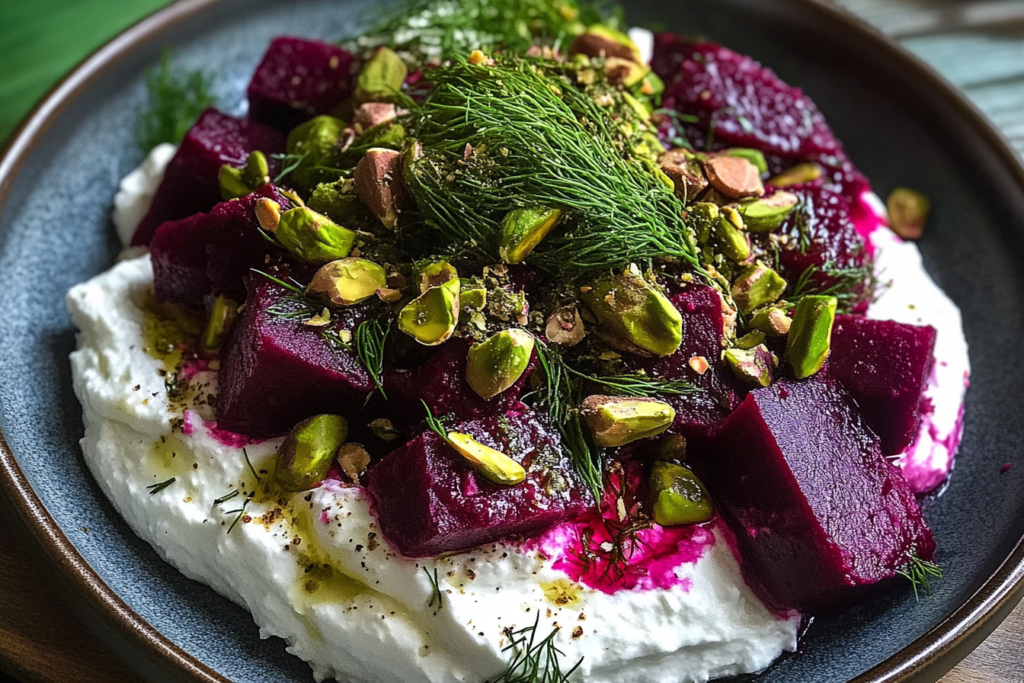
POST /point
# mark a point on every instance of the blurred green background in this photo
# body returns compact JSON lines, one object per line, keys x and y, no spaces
{"x":41,"y":40}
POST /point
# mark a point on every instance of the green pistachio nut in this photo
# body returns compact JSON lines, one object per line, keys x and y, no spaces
{"x":705,"y":217}
{"x":496,"y":364}
{"x":652,"y":86}
{"x":347,"y":281}
{"x":473,"y":299}
{"x":768,"y":213}
{"x":729,"y":235}
{"x":493,"y":465}
{"x":751,"y":339}
{"x":772,"y":321}
{"x":306,"y":453}
{"x":602,"y":41}
{"x":312,"y":236}
{"x":795,"y":175}
{"x":810,"y":336}
{"x":523,"y":229}
{"x":431,"y":318}
{"x":625,"y":72}
{"x":240,"y":182}
{"x":642,"y":110}
{"x":315,"y":144}
{"x":436,"y":274}
{"x":753,"y":366}
{"x":754,"y":156}
{"x":908,"y":211}
{"x":616,"y":421}
{"x":256,"y":172}
{"x":677,"y":497}
{"x":222,"y":317}
{"x":339,"y":202}
{"x":381,"y":78}
{"x":757,"y":286}
{"x":633,"y":315}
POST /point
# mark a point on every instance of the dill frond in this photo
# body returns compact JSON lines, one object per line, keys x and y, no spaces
{"x":369,"y":338}
{"x":435,"y":589}
{"x":918,"y":572}
{"x":176,"y":99}
{"x":157,"y":488}
{"x":533,"y":660}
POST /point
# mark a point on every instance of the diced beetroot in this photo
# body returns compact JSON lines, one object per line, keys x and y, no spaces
{"x":428,"y":501}
{"x":441,"y":382}
{"x":884,"y":365}
{"x":210,"y":253}
{"x":299,"y":79}
{"x":190,"y":184}
{"x":703,"y":336}
{"x":815,"y":506}
{"x":276,"y":372}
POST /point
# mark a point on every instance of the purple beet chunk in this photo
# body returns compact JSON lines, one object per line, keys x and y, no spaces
{"x":210,"y":253}
{"x":299,"y":79}
{"x":816,"y":508}
{"x":703,"y":335}
{"x":190,"y":184}
{"x":441,"y":382}
{"x":276,"y":372}
{"x":428,"y":501}
{"x":884,"y":365}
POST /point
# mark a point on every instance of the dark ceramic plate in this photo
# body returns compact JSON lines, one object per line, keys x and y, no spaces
{"x":901,"y":124}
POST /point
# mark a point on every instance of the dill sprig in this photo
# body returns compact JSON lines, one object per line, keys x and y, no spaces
{"x":435,"y":589}
{"x":535,"y":140}
{"x":294,"y":288}
{"x":534,"y":661}
{"x":370,"y":337}
{"x":157,"y":488}
{"x":248,"y":462}
{"x":434,"y":424}
{"x":226,"y":497}
{"x":176,"y":99}
{"x":238,"y":513}
{"x":918,"y":572}
{"x":851,"y":286}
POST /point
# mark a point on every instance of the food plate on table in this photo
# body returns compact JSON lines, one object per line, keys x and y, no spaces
{"x":887,"y":131}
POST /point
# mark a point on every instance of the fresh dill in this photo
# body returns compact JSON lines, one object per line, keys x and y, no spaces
{"x":293,"y":288}
{"x":639,"y":385}
{"x":533,"y":660}
{"x":227,"y":497}
{"x":370,"y":337}
{"x":435,"y":589}
{"x":434,"y":424}
{"x":157,"y":488}
{"x":248,"y":462}
{"x":176,"y":99}
{"x":238,"y":513}
{"x":289,"y":162}
{"x":536,"y":140}
{"x":919,"y":572}
{"x":852,"y":285}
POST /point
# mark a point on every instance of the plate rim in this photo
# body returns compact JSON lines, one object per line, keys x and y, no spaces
{"x":927,"y":658}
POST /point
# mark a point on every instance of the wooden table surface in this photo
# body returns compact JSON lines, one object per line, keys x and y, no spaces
{"x":978,"y":45}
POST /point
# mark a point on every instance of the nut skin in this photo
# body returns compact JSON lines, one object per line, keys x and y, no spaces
{"x":353,"y":461}
{"x":381,"y":78}
{"x":633,"y":315}
{"x":734,"y":177}
{"x":496,"y":364}
{"x":686,"y":173}
{"x":493,"y":465}
{"x":908,"y":211}
{"x":768,"y":213}
{"x":306,"y":453}
{"x":431,"y":318}
{"x":752,"y":366}
{"x":754,"y":156}
{"x":523,"y":229}
{"x":565,"y":327}
{"x":379,"y":182}
{"x":624,"y":72}
{"x":676,"y":496}
{"x":810,"y":336}
{"x":617,"y":421}
{"x":796,"y":175}
{"x":312,"y":236}
{"x":599,"y":41}
{"x":347,"y":281}
{"x":370,"y":114}
{"x":757,"y":286}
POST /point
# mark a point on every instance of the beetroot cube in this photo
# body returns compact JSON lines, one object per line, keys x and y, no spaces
{"x":428,"y":501}
{"x":299,"y":79}
{"x":884,"y":365}
{"x":816,"y":508}
{"x":190,"y":183}
{"x":210,"y":253}
{"x":276,"y":372}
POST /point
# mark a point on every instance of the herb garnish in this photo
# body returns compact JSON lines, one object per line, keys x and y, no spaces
{"x":248,"y":462}
{"x":434,"y":424}
{"x":370,"y":337}
{"x":851,"y":286}
{"x":239,"y":513}
{"x":532,"y":661}
{"x":435,"y":594}
{"x":176,"y":99}
{"x":918,"y":572}
{"x":157,"y":488}
{"x":226,"y":497}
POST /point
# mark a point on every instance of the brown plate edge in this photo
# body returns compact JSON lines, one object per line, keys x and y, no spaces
{"x":926,"y":659}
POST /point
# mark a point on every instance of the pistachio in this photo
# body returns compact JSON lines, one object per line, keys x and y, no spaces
{"x":339,"y":202}
{"x":313,"y":237}
{"x":436,"y":274}
{"x":734,"y":177}
{"x":256,"y":172}
{"x":677,"y":497}
{"x":315,"y":143}
{"x":347,"y":281}
{"x":385,"y":430}
{"x":601,"y":41}
{"x":796,"y":175}
{"x":730,"y":237}
{"x":652,"y":85}
{"x":473,"y":299}
{"x":754,"y":156}
{"x":699,"y":364}
{"x":752,"y":366}
{"x":353,"y":461}
{"x":624,"y":72}
{"x":477,"y":57}
{"x":772,"y":321}
{"x":239,"y":182}
{"x":616,"y":421}
{"x":306,"y":453}
{"x":686,"y":173}
{"x":391,"y":296}
{"x":431,"y":318}
{"x":705,"y":217}
{"x":673,"y":447}
{"x":494,"y":465}
{"x":810,"y":336}
{"x":757,"y":286}
{"x":222,"y":317}
{"x":565,"y":327}
{"x":633,"y":315}
{"x":751,"y":339}
{"x":523,"y":229}
{"x":372,"y":114}
{"x":496,"y":364}
{"x":768,"y":213}
{"x":908,"y":211}
{"x":268,"y":214}
{"x":379,"y":183}
{"x":381,"y":78}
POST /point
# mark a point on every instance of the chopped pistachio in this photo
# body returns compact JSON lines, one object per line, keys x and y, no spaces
{"x":652,"y":85}
{"x":795,"y":175}
{"x":523,"y":229}
{"x":751,"y":339}
{"x":705,"y":217}
{"x":222,"y":317}
{"x":381,"y":78}
{"x":473,"y":299}
{"x":431,"y":318}
{"x":436,"y":274}
{"x":624,"y":72}
{"x":734,"y":177}
{"x":347,"y":281}
{"x":810,"y":336}
{"x":686,"y":173}
{"x":757,"y":286}
{"x":672,"y":448}
{"x":322,"y":319}
{"x":340,"y":202}
{"x":306,"y":453}
{"x":316,"y":142}
{"x":385,"y":430}
{"x":268,"y":214}
{"x":353,"y":461}
{"x":380,"y":184}
{"x":699,"y":364}
{"x":677,"y":497}
{"x":752,"y":366}
{"x":231,"y":184}
{"x":730,"y":236}
{"x":256,"y":172}
{"x":239,"y":182}
{"x":494,"y":465}
{"x":772,"y":321}
{"x":313,"y":237}
{"x":754,"y":156}
{"x":908,"y":211}
{"x":601,"y":41}
{"x":371,"y":114}
{"x":565,"y":327}
{"x":496,"y":364}
{"x":616,"y":421}
{"x":633,"y":315}
{"x":768,"y":213}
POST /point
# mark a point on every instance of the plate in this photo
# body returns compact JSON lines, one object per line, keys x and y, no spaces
{"x":901,"y":124}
